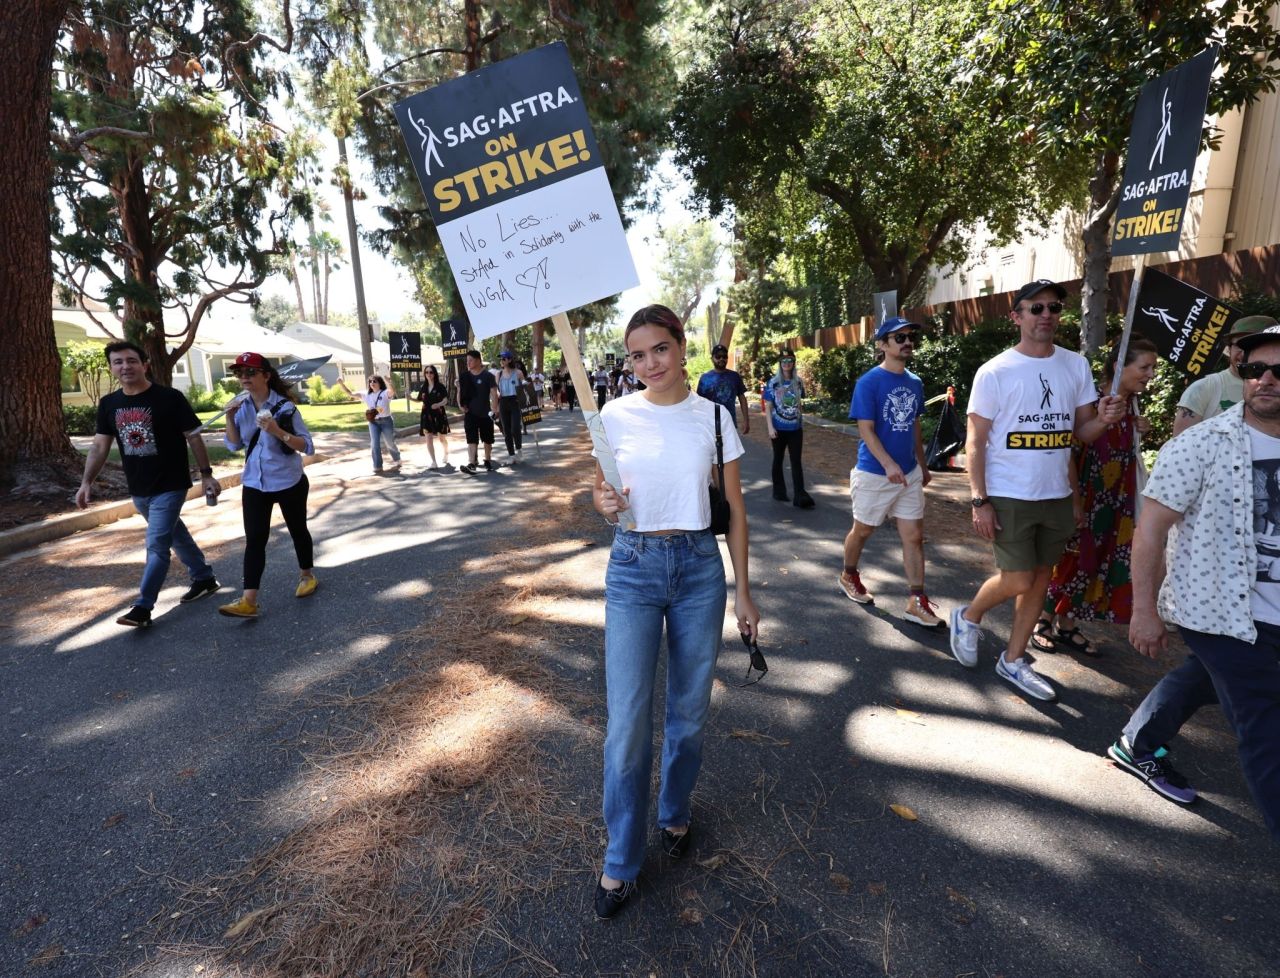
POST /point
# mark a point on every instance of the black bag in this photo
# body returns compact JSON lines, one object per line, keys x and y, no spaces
{"x":719,"y":505}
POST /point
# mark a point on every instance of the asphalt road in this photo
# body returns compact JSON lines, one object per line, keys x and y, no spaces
{"x":135,"y":761}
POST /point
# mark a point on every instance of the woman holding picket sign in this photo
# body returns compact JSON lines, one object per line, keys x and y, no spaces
{"x":264,"y":421}
{"x":665,"y":570}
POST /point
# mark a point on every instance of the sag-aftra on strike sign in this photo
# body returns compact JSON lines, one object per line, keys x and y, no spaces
{"x":517,"y":187}
{"x":1163,"y":144}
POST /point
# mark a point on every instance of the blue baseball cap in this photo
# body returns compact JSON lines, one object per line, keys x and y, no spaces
{"x":893,"y":324}
{"x":506,"y":355}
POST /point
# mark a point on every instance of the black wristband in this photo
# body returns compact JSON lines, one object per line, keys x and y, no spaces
{"x":206,"y":472}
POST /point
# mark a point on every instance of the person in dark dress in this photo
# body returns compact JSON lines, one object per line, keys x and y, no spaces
{"x":434,"y":420}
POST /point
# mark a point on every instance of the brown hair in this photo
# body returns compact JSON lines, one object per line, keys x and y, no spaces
{"x":659,"y":316}
{"x":1138,"y":345}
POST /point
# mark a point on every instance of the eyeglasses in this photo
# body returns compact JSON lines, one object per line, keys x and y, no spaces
{"x":757,"y":660}
{"x":1257,"y":370}
{"x":901,"y":338}
{"x":245,"y":371}
{"x":1038,"y":307}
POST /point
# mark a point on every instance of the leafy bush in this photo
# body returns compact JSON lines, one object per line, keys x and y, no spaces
{"x":806,"y":363}
{"x":202,"y":400}
{"x":80,"y":419}
{"x":322,"y":394}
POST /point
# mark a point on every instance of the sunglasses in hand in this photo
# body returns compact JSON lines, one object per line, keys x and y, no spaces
{"x":756,"y":662}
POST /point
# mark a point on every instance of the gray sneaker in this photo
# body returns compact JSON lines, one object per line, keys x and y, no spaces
{"x":1025,"y":678}
{"x":964,"y":638}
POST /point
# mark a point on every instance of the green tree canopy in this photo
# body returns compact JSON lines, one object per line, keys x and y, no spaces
{"x":871,"y":107}
{"x":164,"y":162}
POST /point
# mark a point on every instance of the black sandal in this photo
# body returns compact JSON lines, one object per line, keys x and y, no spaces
{"x":1044,"y":630}
{"x":1075,"y":641}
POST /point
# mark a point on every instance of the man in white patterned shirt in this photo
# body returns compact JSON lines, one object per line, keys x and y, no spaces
{"x":1214,"y":500}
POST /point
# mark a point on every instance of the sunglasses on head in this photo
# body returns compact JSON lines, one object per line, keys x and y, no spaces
{"x":1257,"y":370}
{"x":904,"y":337}
{"x":1038,"y":307}
{"x":757,"y":660}
{"x":246,"y":371}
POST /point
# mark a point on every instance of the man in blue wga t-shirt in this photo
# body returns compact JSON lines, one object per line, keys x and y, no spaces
{"x":890,"y":476}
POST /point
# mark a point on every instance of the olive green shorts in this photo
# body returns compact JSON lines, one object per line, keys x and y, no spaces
{"x":1033,"y":532}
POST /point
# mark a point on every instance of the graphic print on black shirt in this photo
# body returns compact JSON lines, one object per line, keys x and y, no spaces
{"x":136,"y":431}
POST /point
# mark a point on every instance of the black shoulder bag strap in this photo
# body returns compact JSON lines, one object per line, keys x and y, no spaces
{"x":253,"y":442}
{"x":719,"y":452}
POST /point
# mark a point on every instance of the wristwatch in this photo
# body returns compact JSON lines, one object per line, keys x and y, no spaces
{"x":206,"y":472}
{"x":977,"y":502}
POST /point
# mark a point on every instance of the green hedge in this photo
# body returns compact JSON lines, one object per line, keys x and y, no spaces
{"x":81,"y":419}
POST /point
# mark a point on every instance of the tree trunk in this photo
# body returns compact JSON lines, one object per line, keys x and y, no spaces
{"x":34,"y":450}
{"x":539,"y":333}
{"x":324,"y":310}
{"x":1096,"y":238}
{"x":362,"y":315}
{"x":297,"y":287}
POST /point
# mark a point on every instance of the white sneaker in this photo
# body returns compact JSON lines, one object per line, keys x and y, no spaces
{"x":1020,"y":673}
{"x":964,"y":638}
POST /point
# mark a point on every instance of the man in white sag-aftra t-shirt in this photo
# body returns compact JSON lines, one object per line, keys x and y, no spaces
{"x":1025,"y":407}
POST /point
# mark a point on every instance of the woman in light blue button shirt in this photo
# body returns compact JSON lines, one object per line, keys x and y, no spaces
{"x":265,"y":422}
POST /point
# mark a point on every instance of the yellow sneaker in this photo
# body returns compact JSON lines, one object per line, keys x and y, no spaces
{"x":239,"y":609}
{"x":306,"y":586}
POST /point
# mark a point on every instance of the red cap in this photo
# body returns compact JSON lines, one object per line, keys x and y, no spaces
{"x":252,"y":360}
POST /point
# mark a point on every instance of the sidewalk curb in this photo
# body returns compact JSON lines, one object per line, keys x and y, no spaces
{"x":56,"y":527}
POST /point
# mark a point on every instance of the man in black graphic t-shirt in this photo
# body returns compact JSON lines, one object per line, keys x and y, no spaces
{"x":478,"y":399}
{"x":153,"y":426}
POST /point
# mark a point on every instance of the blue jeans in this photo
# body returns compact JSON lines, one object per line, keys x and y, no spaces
{"x":1246,"y":678}
{"x":677,"y":580}
{"x":383,"y":428}
{"x":165,"y":531}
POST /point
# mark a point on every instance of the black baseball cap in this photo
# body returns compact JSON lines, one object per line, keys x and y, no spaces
{"x":1267,"y":334}
{"x":719,"y":348}
{"x":1039,"y":285}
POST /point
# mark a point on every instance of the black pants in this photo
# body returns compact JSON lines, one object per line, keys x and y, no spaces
{"x":256,"y":508}
{"x":600,"y":396}
{"x":512,"y":425}
{"x":793,"y":441}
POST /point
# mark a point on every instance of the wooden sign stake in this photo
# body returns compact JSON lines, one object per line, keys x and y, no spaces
{"x":586,"y":400}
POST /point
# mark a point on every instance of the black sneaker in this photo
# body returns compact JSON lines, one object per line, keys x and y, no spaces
{"x":488,"y":465}
{"x":468,"y":469}
{"x":136,"y":617}
{"x":200,"y":589}
{"x":608,"y":902}
{"x":1156,"y":772}
{"x":781,"y":496}
{"x":804,"y":500}
{"x":676,"y":846}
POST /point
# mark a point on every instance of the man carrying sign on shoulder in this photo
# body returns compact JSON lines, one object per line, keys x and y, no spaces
{"x":1026,"y":406}
{"x":1210,"y":396}
{"x":1219,"y":581}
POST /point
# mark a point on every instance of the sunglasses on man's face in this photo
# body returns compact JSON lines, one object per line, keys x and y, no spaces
{"x":757,"y":660}
{"x":1038,"y":307}
{"x":901,"y":338}
{"x":1257,"y":370}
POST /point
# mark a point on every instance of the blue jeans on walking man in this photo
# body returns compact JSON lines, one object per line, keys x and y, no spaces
{"x":677,"y":580}
{"x":166,"y":532}
{"x":383,"y":428}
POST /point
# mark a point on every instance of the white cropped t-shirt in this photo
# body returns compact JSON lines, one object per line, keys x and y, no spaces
{"x":665,"y":453}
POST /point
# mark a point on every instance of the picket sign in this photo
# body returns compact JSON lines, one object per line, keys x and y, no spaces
{"x":1164,"y":141}
{"x":516,"y":185}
